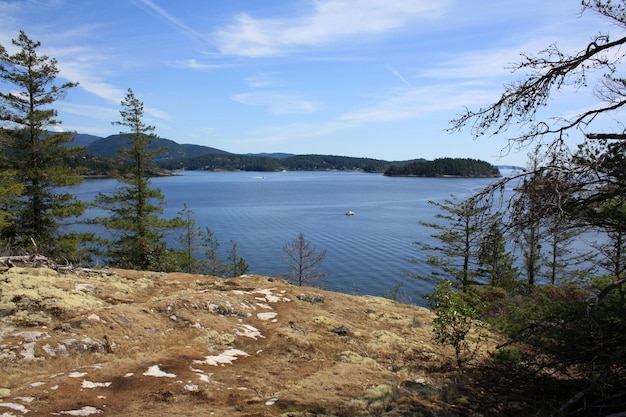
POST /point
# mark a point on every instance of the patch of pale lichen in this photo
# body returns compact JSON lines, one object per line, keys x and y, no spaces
{"x":40,"y":294}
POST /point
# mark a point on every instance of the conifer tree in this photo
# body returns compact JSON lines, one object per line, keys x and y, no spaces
{"x":214,"y":265}
{"x":496,"y":261}
{"x":455,"y":257}
{"x":190,"y":239}
{"x":236,"y":265}
{"x":138,"y":230}
{"x":32,"y":156}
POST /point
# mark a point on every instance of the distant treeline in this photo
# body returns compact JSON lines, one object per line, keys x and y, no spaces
{"x":232,"y":162}
{"x":445,"y":167}
{"x":98,"y":159}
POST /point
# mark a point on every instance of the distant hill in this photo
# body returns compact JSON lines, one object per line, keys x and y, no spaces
{"x":83,"y":139}
{"x":445,"y":167}
{"x":275,"y":155}
{"x":100,"y":152}
{"x":171,"y":150}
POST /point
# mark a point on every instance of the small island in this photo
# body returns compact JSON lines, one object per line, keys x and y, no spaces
{"x":445,"y":167}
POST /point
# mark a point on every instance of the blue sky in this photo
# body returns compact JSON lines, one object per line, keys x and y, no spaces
{"x":363,"y":78}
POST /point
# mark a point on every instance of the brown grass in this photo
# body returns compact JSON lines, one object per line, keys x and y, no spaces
{"x":296,"y":366}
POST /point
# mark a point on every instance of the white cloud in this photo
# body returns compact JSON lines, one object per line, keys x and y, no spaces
{"x":417,"y":102}
{"x":263,"y":80}
{"x":278,"y":103}
{"x":90,"y":81}
{"x":195,"y":65}
{"x":329,"y":21}
{"x":287,"y":133}
{"x":395,"y":72}
{"x":170,"y":18}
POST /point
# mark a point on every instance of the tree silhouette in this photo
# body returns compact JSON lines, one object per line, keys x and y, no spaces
{"x":303,"y":260}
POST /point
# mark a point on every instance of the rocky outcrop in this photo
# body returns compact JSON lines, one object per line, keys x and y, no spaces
{"x":134,"y":343}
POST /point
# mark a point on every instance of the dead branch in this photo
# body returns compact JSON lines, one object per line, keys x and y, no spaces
{"x":36,"y":261}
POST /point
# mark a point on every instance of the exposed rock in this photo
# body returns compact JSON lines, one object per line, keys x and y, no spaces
{"x":153,"y":344}
{"x":313,"y":299}
{"x":342,"y":330}
{"x":7,"y":310}
{"x":86,"y":288}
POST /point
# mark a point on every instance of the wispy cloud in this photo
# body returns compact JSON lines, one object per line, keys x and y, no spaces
{"x":326,"y":22}
{"x":170,"y":19}
{"x":263,"y":80}
{"x":414,"y":104}
{"x":288,"y":133}
{"x":195,"y":65}
{"x":85,"y":72}
{"x":395,"y":72}
{"x":417,"y":103}
{"x":277,"y":103}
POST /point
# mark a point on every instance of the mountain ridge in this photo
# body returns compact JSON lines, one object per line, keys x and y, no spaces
{"x":173,"y":156}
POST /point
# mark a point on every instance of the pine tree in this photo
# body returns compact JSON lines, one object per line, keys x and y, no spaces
{"x":455,"y":258}
{"x":497,"y":262}
{"x":236,"y":265}
{"x":214,"y":265}
{"x":32,"y":160}
{"x":138,"y":229}
{"x":191,"y":242}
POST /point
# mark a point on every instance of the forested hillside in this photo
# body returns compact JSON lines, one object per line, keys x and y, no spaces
{"x":98,"y":159}
{"x":445,"y":167}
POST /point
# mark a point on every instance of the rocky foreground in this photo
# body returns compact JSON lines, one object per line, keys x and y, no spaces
{"x":129,"y":343}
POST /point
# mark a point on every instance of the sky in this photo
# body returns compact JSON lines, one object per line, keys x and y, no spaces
{"x":364,"y":78}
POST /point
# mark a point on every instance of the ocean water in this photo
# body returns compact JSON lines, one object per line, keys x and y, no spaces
{"x":366,"y":253}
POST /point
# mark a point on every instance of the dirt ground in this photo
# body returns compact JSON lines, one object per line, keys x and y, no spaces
{"x":129,"y":343}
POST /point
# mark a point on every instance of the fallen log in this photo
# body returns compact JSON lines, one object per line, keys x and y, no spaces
{"x":40,"y":260}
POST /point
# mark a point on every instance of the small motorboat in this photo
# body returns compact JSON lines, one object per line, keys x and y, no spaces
{"x":349,"y":213}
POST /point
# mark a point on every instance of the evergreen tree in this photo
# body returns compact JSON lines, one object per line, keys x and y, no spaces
{"x":455,"y":258}
{"x":577,"y":340}
{"x":138,"y":229}
{"x":190,"y":241}
{"x":10,"y":187}
{"x":236,"y":265}
{"x":497,"y":262}
{"x":214,"y":265}
{"x":32,"y":159}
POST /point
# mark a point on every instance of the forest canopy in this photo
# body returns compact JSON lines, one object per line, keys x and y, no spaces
{"x":445,"y":167}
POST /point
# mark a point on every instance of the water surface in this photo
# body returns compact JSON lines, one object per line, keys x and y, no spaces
{"x":366,"y":252}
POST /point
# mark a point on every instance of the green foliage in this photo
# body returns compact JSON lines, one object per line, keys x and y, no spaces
{"x":190,"y":240}
{"x":497,"y":262}
{"x":235,"y":264}
{"x":457,"y":321}
{"x":193,"y":241}
{"x":135,"y":208}
{"x":445,"y":167}
{"x":571,"y":333}
{"x":233,"y":162}
{"x":214,"y":265}
{"x":456,"y":256}
{"x":575,"y":334}
{"x":10,"y":190}
{"x":32,"y":161}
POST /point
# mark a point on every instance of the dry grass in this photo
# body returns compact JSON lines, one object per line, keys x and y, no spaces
{"x":295,"y":363}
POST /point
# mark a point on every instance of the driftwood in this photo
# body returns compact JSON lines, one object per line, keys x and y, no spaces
{"x":31,"y":260}
{"x":40,"y":260}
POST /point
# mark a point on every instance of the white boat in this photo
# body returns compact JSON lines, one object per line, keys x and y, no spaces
{"x":349,"y":213}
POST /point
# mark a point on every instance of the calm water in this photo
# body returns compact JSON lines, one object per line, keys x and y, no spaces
{"x":262,"y":212}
